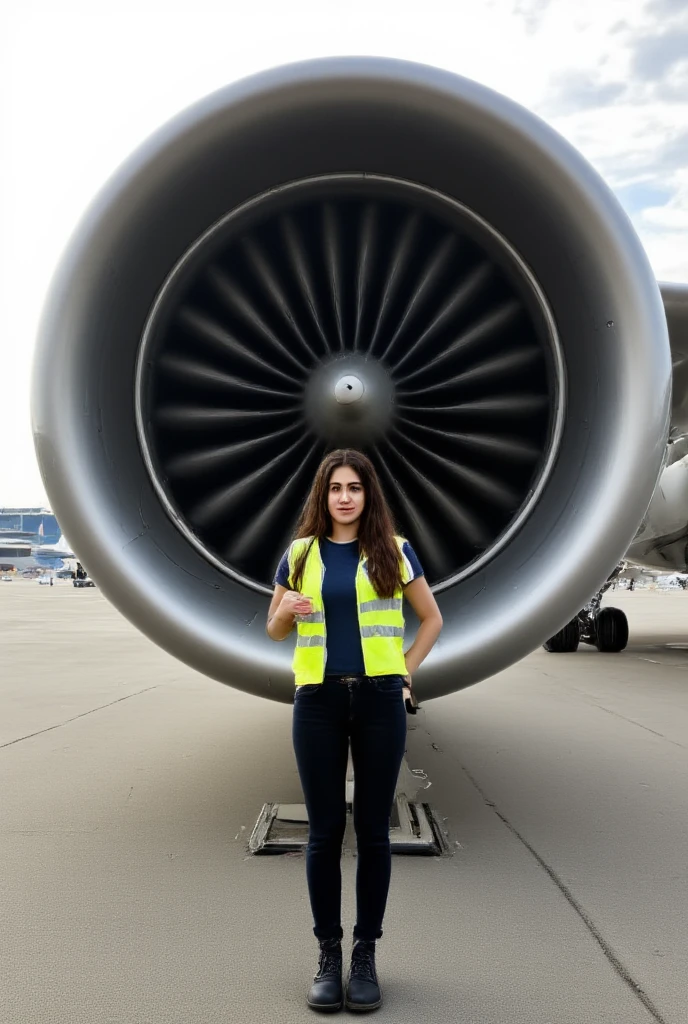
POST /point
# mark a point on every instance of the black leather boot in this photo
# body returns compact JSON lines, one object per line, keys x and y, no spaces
{"x":362,"y":988}
{"x":325,"y":993}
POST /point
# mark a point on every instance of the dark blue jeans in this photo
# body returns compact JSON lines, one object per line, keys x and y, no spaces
{"x":369,"y":713}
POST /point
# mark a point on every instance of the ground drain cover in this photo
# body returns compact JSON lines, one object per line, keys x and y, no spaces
{"x":283,"y":828}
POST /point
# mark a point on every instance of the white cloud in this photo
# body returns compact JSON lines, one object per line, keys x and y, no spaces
{"x":82,"y":84}
{"x":671,"y":217}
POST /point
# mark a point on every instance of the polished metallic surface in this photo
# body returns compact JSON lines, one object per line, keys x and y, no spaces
{"x":428,"y":311}
{"x":546,"y":219}
{"x":662,"y":540}
{"x":349,"y":389}
{"x":345,"y":418}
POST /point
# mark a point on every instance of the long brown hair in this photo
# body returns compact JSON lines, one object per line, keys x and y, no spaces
{"x":376,"y":528}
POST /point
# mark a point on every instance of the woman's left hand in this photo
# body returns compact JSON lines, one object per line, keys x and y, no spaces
{"x":410,"y":701}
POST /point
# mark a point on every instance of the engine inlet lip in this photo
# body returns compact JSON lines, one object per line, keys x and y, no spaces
{"x":510,"y":261}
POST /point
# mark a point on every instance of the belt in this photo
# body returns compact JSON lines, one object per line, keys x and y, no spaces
{"x":346,"y":680}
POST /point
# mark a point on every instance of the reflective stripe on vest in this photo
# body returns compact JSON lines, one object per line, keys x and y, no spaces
{"x":381,"y":620}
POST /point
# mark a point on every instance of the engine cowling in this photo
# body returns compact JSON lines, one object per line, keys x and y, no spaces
{"x":352,"y":252}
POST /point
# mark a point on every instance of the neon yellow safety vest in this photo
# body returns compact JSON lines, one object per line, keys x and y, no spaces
{"x":381,"y":620}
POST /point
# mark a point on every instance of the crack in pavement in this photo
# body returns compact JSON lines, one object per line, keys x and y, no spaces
{"x":640,"y":725}
{"x":593,"y":703}
{"x":613,"y":959}
{"x":59,"y":725}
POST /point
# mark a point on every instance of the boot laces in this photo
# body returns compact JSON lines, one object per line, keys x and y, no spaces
{"x":363,"y":962}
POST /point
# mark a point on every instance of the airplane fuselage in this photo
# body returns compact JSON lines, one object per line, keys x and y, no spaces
{"x":661,"y":541}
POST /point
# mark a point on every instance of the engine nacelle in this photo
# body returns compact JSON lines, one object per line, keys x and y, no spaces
{"x":662,"y":540}
{"x":352,"y":252}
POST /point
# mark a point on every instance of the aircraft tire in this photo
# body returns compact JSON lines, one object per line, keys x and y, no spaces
{"x":566,"y":640}
{"x":611,"y":630}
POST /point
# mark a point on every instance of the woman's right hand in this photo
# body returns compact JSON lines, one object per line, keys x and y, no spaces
{"x":293,"y":604}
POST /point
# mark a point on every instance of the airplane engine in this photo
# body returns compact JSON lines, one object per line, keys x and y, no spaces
{"x":352,"y":253}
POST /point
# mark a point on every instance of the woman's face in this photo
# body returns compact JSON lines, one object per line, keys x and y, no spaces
{"x":346,"y":497}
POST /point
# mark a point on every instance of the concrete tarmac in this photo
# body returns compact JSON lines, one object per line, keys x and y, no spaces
{"x":130,"y":785}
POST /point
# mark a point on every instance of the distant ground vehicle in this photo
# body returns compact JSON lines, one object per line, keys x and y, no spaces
{"x":44,"y":581}
{"x":6,"y":579}
{"x":81,"y":578}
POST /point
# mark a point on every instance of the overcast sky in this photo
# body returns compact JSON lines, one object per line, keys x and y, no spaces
{"x":82,"y":82}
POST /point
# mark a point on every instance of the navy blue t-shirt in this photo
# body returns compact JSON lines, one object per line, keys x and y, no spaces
{"x":344,"y":653}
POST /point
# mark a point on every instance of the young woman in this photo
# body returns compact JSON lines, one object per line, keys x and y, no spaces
{"x":342,"y":581}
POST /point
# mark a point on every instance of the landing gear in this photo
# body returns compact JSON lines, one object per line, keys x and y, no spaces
{"x":603,"y":628}
{"x":611,"y":630}
{"x":566,"y":640}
